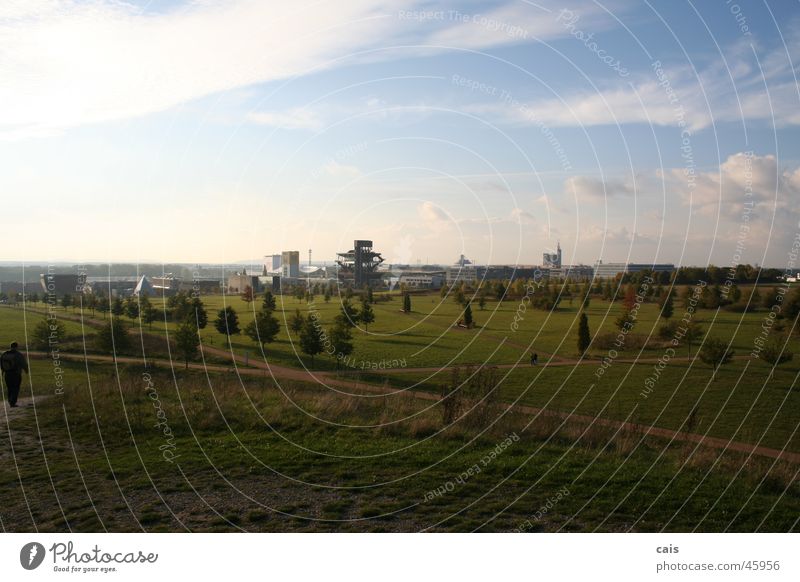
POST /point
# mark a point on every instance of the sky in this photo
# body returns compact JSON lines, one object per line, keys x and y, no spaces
{"x":216,"y":132}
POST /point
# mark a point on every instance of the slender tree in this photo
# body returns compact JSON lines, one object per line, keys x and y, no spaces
{"x":311,"y":339}
{"x":468,"y":315}
{"x":667,"y":307}
{"x":367,"y":315}
{"x":341,"y":338}
{"x":407,"y":302}
{"x":584,"y":337}
{"x":269,"y":303}
{"x":187,"y":341}
{"x":296,"y":322}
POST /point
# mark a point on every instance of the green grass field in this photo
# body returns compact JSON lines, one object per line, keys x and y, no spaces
{"x":248,"y":456}
{"x":259,"y":456}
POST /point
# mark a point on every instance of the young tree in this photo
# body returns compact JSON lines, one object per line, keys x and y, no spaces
{"x":149,"y":315}
{"x":199,"y":316}
{"x":269,"y":303}
{"x":297,"y":322}
{"x":693,"y":333}
{"x":227,"y":322}
{"x":103,"y":305}
{"x":117,"y":307}
{"x":715,"y":353}
{"x":468,"y":315}
{"x":310,"y":339}
{"x":341,"y":340}
{"x":775,"y":352}
{"x":247,"y":294}
{"x":482,"y":301}
{"x":66,"y":301}
{"x":630,"y":298}
{"x":367,"y":315}
{"x":48,"y":332}
{"x":407,"y":301}
{"x":187,"y":341}
{"x":327,"y":295}
{"x":348,"y":315}
{"x":667,"y":306}
{"x":370,"y":296}
{"x":132,"y":308}
{"x":263,"y":328}
{"x":584,"y":337}
{"x":500,"y":291}
{"x":113,"y":338}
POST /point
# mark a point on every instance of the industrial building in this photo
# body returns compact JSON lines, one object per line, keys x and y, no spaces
{"x":463,"y":271}
{"x":422,"y":280}
{"x":62,"y":284}
{"x":610,"y":270}
{"x":290,"y":264}
{"x":238,"y":282}
{"x":359,"y":266}
{"x":552,"y":260}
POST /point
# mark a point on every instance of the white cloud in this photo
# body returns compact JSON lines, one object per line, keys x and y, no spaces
{"x":296,"y":118}
{"x":589,"y":188}
{"x":69,"y":63}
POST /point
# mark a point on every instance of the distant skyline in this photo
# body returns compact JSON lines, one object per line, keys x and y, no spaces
{"x":207,"y":131}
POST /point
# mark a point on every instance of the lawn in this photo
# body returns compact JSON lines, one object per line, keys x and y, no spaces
{"x":245,"y":455}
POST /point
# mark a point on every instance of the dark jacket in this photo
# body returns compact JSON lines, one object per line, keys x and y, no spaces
{"x":20,"y":363}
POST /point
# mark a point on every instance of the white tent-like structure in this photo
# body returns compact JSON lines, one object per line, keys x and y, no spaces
{"x":143,"y":288}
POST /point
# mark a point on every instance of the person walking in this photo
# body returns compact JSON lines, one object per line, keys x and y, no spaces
{"x":13,"y":363}
{"x":535,"y":359}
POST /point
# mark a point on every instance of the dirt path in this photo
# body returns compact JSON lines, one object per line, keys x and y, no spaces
{"x":264,"y":370}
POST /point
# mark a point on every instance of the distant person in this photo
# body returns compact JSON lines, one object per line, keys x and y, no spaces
{"x":13,"y":363}
{"x":535,"y":359}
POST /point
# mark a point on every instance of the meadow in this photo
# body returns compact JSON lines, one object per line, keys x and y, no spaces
{"x":254,"y":453}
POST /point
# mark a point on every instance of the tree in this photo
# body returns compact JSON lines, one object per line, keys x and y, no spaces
{"x":348,"y":314}
{"x":482,"y":301}
{"x":48,"y":332}
{"x":370,"y":296}
{"x":66,"y":301}
{"x":113,"y":338}
{"x":630,"y":298}
{"x":693,"y":332}
{"x":367,"y":315}
{"x":775,"y":352}
{"x":407,"y":302}
{"x":263,"y":328}
{"x":297,"y":322}
{"x":310,"y":338}
{"x":468,"y":315}
{"x":667,"y":306}
{"x":103,"y":305}
{"x":117,"y":307}
{"x":247,"y":294}
{"x":269,"y":303}
{"x":500,"y":291}
{"x":341,"y":341}
{"x":584,"y":337}
{"x":227,"y":322}
{"x":715,"y":353}
{"x":198,"y":310}
{"x":132,"y":308}
{"x":327,"y":295}
{"x":187,"y":341}
{"x":149,"y":315}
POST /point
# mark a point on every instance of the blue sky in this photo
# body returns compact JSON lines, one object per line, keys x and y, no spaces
{"x":219,"y":131}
